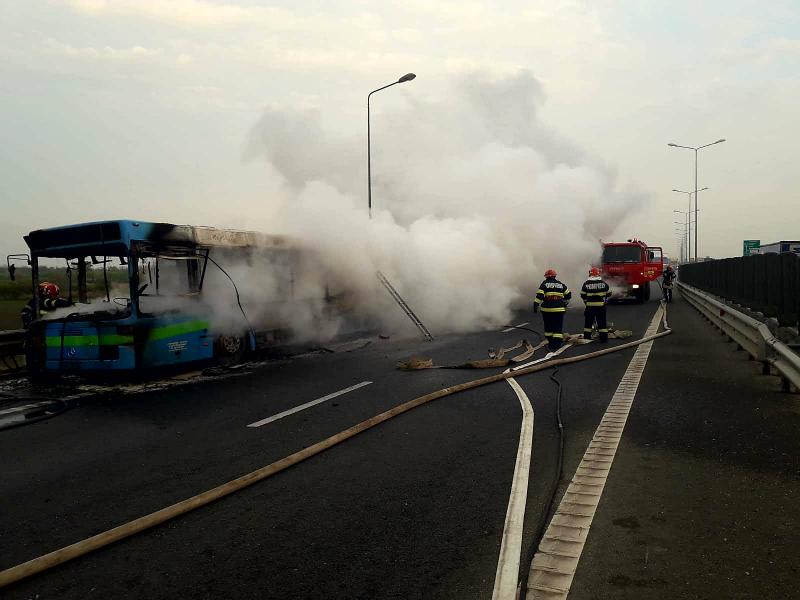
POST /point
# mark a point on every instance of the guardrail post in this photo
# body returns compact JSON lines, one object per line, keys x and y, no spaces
{"x":764,"y":348}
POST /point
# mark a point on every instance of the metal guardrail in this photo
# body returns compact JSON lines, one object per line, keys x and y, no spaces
{"x":752,"y":335}
{"x":12,"y":352}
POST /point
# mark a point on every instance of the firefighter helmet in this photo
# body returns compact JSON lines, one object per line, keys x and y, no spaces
{"x":550,"y":273}
{"x":594,"y":272}
{"x":48,"y":290}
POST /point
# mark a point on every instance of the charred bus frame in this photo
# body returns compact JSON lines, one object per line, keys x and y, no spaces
{"x":121,"y":335}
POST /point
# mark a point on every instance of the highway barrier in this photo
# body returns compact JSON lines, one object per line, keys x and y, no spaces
{"x":767,"y":283}
{"x":12,"y":353}
{"x":751,"y":335}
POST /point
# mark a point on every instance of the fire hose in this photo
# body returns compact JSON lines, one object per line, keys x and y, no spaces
{"x":95,"y":542}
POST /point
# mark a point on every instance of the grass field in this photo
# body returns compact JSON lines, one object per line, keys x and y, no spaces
{"x":14,"y":294}
{"x":9,"y":314}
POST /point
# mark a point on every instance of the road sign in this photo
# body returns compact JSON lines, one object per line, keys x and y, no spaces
{"x":750,"y":247}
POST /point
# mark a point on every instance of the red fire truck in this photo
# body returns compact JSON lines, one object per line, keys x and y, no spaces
{"x":631,"y":266}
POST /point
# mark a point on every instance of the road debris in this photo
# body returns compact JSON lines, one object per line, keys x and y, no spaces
{"x":497,"y":358}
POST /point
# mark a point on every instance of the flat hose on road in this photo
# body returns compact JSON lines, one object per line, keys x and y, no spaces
{"x":57,"y":557}
{"x":41,"y":415}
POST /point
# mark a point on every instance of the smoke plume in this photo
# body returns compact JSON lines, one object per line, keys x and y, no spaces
{"x":473,"y":199}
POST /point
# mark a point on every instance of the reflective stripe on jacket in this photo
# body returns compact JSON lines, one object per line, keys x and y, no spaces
{"x":552,"y":296}
{"x":595,"y":292}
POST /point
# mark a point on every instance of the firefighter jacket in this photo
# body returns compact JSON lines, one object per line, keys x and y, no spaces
{"x":28,"y":313}
{"x":552,"y":296}
{"x":595,"y":292}
{"x":668,"y":277}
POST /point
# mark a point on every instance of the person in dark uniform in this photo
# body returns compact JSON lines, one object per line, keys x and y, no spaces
{"x":48,"y":301}
{"x":667,"y":280}
{"x":595,"y":293}
{"x":552,"y":298}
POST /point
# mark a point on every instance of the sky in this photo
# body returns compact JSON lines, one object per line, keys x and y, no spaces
{"x":155,"y":110}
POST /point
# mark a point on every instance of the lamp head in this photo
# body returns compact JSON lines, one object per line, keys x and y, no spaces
{"x":406,"y":77}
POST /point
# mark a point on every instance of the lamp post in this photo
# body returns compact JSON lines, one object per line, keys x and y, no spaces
{"x":696,"y":149}
{"x":680,"y":241}
{"x":689,"y":220}
{"x":403,"y":79}
{"x":686,"y":224}
{"x":680,"y":237}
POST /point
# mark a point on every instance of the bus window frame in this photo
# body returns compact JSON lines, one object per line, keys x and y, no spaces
{"x":99,"y":315}
{"x":174,"y":252}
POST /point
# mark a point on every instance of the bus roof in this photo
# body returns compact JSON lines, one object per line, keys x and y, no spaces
{"x":633,"y":242}
{"x":112,"y":237}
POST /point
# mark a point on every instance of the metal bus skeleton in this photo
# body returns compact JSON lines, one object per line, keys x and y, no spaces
{"x":161,"y":318}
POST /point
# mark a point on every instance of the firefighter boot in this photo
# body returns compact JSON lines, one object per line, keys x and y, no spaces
{"x":588,"y":323}
{"x":602,"y":324}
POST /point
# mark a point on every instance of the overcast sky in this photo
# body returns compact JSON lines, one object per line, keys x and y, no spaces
{"x":143,"y":108}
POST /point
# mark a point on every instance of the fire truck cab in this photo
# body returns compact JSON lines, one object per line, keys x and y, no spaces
{"x":631,"y":266}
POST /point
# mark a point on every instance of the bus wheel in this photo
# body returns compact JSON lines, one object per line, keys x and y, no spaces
{"x":230,"y":349}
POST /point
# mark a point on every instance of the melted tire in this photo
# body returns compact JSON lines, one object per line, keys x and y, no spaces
{"x":230,"y":349}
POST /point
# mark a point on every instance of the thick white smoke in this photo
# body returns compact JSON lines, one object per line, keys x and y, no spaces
{"x":473,"y":199}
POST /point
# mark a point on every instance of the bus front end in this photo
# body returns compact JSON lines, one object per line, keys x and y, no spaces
{"x":80,"y":345}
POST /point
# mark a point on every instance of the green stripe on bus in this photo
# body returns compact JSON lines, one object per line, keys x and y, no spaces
{"x":157,"y":333}
{"x":89,"y":340}
{"x":160,"y":333}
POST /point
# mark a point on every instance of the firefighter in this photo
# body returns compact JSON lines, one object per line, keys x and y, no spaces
{"x":552,"y":298}
{"x":595,"y":293}
{"x":48,"y":301}
{"x":668,"y":278}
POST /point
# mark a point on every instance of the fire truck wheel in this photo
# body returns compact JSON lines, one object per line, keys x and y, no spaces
{"x":230,"y":349}
{"x":646,"y":292}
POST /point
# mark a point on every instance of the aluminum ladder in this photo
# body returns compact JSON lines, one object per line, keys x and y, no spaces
{"x":406,"y":308}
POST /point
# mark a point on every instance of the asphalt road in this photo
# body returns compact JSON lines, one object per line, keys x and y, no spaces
{"x":414,"y":508}
{"x":702,"y":501}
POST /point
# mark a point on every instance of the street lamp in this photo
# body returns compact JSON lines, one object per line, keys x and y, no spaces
{"x":696,"y":149}
{"x":680,"y":236}
{"x":686,"y":225}
{"x":403,"y":79}
{"x":689,"y":221}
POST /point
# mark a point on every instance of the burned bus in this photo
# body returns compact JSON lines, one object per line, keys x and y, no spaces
{"x":192,"y":294}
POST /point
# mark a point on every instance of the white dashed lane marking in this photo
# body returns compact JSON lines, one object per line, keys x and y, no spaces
{"x":297,"y":409}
